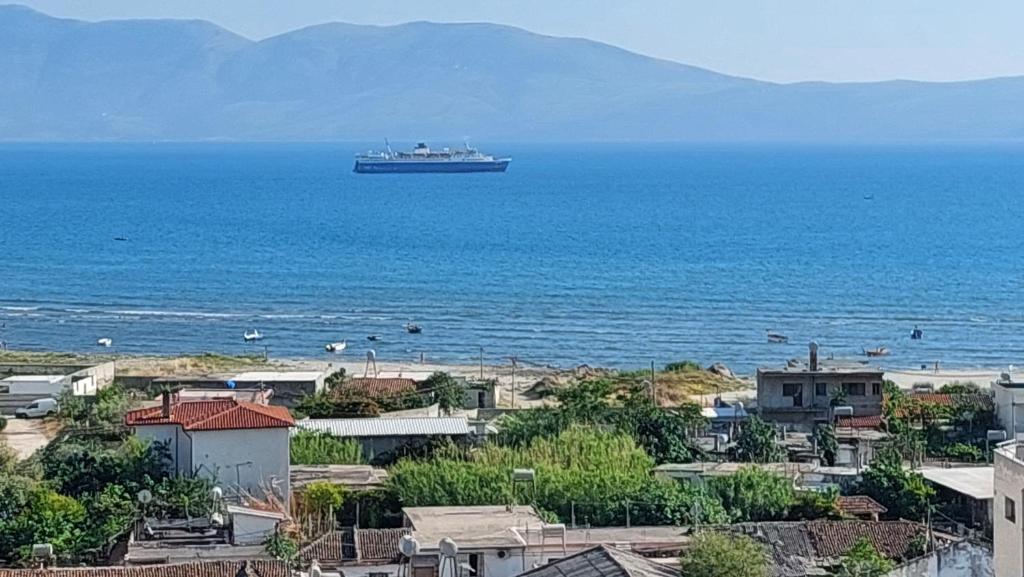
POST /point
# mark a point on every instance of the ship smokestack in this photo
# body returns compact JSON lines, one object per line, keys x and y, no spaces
{"x":813,"y":363}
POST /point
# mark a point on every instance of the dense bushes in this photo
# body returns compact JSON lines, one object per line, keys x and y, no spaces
{"x":904,"y":493}
{"x":754,"y":494}
{"x":313,"y":448}
{"x":592,"y":475}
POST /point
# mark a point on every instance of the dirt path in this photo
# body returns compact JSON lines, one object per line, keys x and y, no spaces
{"x":25,"y":436}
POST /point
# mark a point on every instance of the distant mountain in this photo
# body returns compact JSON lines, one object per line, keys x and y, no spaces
{"x":191,"y":80}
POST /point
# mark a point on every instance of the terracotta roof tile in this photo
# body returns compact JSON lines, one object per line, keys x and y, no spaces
{"x":872,"y":422}
{"x":379,"y":544}
{"x":254,"y":568}
{"x":374,"y":387}
{"x":860,"y":505}
{"x":331,"y":547}
{"x":213,"y":415}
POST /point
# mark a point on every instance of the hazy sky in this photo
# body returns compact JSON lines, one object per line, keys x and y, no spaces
{"x":781,"y":40}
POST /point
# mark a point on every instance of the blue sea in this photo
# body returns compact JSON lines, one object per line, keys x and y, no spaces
{"x":615,"y":255}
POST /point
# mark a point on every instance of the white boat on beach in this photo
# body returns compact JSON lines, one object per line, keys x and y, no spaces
{"x":253,"y":335}
{"x":336,"y":347}
{"x":104,"y":342}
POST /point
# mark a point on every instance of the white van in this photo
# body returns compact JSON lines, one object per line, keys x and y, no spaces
{"x":38,"y":408}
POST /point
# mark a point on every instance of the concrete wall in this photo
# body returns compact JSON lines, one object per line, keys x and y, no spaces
{"x":480,"y":396}
{"x":252,"y":528}
{"x":261,"y":456}
{"x":1004,"y":398}
{"x":1008,"y":536}
{"x":178,"y":442}
{"x":774,"y":405}
{"x":962,"y":559}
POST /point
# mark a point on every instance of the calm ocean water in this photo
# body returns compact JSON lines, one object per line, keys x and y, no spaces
{"x":613,"y":255}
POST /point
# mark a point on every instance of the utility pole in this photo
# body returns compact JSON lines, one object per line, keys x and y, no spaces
{"x":481,"y":363}
{"x":654,"y":386}
{"x":513,"y":359}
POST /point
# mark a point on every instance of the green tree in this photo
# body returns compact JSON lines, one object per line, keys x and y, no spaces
{"x":828,"y":445}
{"x":959,"y":388}
{"x":449,"y":394}
{"x":904,"y":493}
{"x":316,"y":448}
{"x":754,"y":494}
{"x":666,"y":434}
{"x":282,"y":548}
{"x":323,"y":496}
{"x":758,"y":443}
{"x":863,"y":560}
{"x":714,"y":554}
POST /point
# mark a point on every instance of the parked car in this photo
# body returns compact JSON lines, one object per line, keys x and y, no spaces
{"x":38,"y":408}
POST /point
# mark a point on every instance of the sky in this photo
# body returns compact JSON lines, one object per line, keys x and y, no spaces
{"x":776,"y":40}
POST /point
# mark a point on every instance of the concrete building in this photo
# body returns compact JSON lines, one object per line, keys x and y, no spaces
{"x":242,"y":446}
{"x":965,"y":493}
{"x":481,"y":394}
{"x":605,"y":561}
{"x":21,"y":384}
{"x":1008,"y":509}
{"x":800,"y":394}
{"x":1008,"y":398}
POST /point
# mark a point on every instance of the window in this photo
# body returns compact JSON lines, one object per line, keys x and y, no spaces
{"x":794,"y":390}
{"x":853,"y":389}
{"x":820,"y":389}
{"x":876,"y":389}
{"x":1010,"y":510}
{"x":481,"y":399}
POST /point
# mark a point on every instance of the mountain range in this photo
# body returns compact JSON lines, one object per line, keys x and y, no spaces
{"x":70,"y":80}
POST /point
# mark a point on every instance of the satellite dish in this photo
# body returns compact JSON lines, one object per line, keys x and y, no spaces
{"x":144,"y":496}
{"x":409,"y":546}
{"x":448,"y":547}
{"x":216,"y":493}
{"x":217,"y":520}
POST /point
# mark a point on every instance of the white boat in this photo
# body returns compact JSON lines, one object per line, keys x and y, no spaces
{"x":104,"y":342}
{"x":254,"y":335}
{"x":336,"y":347}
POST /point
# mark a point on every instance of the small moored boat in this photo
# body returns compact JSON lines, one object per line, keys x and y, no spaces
{"x":776,"y":337}
{"x":373,"y":338}
{"x":104,"y":342}
{"x":878,"y":352}
{"x":253,"y":335}
{"x":916,"y":334}
{"x":336,"y":347}
{"x":414,"y":328}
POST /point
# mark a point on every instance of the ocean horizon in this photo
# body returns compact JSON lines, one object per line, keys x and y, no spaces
{"x":605,"y":254}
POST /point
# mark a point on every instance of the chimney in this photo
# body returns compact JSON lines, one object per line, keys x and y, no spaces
{"x":813,"y":364}
{"x":166,"y":404}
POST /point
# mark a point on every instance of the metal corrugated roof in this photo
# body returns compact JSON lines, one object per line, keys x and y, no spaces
{"x":377,"y":427}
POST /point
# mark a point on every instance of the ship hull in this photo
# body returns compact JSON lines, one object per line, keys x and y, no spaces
{"x":413,"y":166}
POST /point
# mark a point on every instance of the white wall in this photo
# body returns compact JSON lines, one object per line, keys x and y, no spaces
{"x":252,"y":529}
{"x":1004,"y":397}
{"x":178,"y":442}
{"x":962,"y":559}
{"x":1008,"y":537}
{"x":34,"y":386}
{"x":261,"y":456}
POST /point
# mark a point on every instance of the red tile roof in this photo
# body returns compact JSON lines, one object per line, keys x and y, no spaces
{"x":331,"y":547}
{"x":375,"y":387}
{"x":859,"y":505}
{"x":379,"y":544}
{"x":213,"y":415}
{"x":833,"y":539}
{"x":253,"y":568}
{"x":872,"y":422}
{"x":952,"y":400}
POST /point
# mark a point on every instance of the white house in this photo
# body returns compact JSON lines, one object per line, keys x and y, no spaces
{"x":240,"y":445}
{"x":1008,"y":398}
{"x":1008,"y":513}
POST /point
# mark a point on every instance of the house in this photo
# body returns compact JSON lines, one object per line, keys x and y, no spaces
{"x":1008,"y":398}
{"x":491,"y":539}
{"x":1008,"y":509}
{"x":481,"y":394}
{"x":242,"y":446}
{"x":378,"y":387}
{"x":375,"y":550}
{"x":801,"y":395}
{"x":380,"y":439}
{"x":249,"y":568}
{"x":965,"y":493}
{"x":288,"y":386}
{"x":21,"y":383}
{"x":799,"y":548}
{"x":604,"y":561}
{"x":860,"y":506}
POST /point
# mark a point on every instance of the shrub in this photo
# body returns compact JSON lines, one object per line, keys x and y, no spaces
{"x":718,"y":555}
{"x":757,"y":443}
{"x":314,"y":448}
{"x":682,"y":366}
{"x":863,"y":560}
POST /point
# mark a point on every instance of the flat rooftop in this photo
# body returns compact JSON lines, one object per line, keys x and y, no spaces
{"x":975,"y":482}
{"x":280,"y":376}
{"x":825,"y":366}
{"x":33,"y":379}
{"x":473,"y":527}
